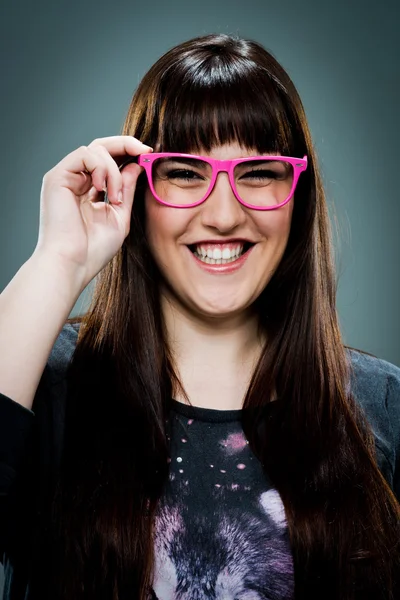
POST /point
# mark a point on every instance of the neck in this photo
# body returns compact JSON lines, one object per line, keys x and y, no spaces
{"x":214,"y":358}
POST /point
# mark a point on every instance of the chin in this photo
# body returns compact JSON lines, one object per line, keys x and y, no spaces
{"x":217,"y":309}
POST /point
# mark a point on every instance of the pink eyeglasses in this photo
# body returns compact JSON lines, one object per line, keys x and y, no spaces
{"x":187,"y":180}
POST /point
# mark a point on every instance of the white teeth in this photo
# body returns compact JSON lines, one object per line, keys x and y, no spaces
{"x":217,"y":253}
{"x":213,"y":261}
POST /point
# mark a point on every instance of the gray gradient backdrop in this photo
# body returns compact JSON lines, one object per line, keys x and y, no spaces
{"x":69,"y":69}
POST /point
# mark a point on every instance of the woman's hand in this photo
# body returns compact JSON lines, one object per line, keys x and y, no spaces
{"x":77,"y":227}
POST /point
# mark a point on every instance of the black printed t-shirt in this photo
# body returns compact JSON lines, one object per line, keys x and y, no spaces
{"x":221,"y":528}
{"x":221,"y":531}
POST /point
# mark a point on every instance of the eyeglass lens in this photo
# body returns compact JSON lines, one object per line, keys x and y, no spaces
{"x":184,"y":181}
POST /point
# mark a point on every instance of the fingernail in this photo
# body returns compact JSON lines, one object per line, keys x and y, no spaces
{"x":120,"y":197}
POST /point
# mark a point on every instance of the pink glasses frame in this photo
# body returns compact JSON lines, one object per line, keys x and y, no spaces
{"x":226,"y":166}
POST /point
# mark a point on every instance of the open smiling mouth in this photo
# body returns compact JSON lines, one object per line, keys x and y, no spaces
{"x":223,"y":254}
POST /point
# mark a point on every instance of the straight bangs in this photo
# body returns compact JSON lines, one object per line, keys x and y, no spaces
{"x":223,"y":100}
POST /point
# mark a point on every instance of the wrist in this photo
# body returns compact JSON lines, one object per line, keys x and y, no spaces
{"x":66,"y":278}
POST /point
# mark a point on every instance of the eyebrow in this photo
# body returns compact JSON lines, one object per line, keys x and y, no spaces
{"x":261,"y":161}
{"x":194,"y":162}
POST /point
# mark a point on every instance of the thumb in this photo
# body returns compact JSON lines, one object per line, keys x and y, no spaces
{"x":130,"y":176}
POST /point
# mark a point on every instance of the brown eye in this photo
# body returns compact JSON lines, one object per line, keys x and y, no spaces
{"x":182,"y":174}
{"x":260,"y":174}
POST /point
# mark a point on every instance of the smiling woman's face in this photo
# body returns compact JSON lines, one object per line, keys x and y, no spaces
{"x":220,"y":223}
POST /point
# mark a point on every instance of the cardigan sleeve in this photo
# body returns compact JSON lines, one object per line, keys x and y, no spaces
{"x":16,"y":437}
{"x":31,"y":444}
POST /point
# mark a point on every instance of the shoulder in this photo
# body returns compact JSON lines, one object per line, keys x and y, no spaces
{"x":371,"y":373}
{"x":51,"y":390}
{"x":62,"y":352}
{"x":375,"y":384}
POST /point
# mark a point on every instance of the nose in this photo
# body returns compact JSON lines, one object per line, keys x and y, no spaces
{"x":222,"y":210}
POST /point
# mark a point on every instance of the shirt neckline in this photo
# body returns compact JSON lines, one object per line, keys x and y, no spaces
{"x":210,"y":415}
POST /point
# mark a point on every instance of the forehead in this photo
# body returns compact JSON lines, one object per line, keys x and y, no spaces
{"x":225,"y":151}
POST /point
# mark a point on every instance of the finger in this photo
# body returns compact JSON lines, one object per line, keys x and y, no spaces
{"x":113,"y":179}
{"x":129,"y":180}
{"x":81,"y":162}
{"x":121,"y":145}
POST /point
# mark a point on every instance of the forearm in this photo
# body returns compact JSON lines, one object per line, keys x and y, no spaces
{"x":33,"y":310}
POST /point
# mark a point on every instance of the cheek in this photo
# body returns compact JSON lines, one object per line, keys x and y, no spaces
{"x":154,"y":223}
{"x":163,"y":225}
{"x":275,"y":224}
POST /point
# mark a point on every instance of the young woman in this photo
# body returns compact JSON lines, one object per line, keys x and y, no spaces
{"x":202,"y":431}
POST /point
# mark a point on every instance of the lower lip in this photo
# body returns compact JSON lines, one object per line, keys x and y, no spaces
{"x":222,"y":269}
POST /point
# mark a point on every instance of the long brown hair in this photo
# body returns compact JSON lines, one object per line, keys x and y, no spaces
{"x":315,"y":446}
